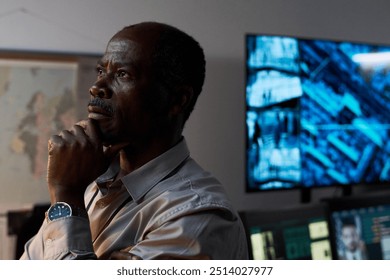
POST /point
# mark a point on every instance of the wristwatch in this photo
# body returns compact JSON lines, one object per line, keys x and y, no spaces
{"x":62,"y":209}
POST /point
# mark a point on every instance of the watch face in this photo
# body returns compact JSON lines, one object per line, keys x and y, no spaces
{"x":59,"y":210}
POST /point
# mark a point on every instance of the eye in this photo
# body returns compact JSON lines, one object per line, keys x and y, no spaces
{"x":99,"y":71}
{"x":122,"y":74}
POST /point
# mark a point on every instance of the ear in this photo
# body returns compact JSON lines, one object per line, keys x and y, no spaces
{"x":184,"y":95}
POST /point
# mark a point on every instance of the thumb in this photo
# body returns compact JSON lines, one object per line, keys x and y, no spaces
{"x":91,"y":128}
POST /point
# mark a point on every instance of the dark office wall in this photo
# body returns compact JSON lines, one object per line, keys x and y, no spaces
{"x":215,"y":132}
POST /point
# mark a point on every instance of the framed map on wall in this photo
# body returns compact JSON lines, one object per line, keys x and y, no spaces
{"x":40,"y":95}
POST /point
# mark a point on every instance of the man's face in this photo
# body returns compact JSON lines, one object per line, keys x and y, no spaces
{"x":121,"y":96}
{"x":350,"y":238}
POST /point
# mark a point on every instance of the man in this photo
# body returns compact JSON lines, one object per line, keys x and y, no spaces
{"x":150,"y":199}
{"x":355,"y":248}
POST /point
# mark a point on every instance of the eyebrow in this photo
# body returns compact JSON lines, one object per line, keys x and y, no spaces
{"x":128,"y":63}
{"x":100,"y":62}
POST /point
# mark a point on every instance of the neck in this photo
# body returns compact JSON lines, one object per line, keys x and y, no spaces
{"x":144,"y":150}
{"x":131,"y":158}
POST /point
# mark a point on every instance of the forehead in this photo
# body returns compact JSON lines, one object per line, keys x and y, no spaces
{"x":129,"y":47}
{"x":121,"y":45}
{"x":119,"y":49}
{"x":349,"y":228}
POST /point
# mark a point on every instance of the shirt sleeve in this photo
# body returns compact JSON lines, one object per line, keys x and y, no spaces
{"x":64,"y":239}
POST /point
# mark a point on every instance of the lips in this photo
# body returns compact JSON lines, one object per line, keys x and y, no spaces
{"x":98,"y":113}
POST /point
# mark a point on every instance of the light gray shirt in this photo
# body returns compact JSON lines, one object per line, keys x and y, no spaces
{"x":168,"y":208}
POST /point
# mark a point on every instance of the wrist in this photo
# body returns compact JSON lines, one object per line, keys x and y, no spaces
{"x":63,"y":210}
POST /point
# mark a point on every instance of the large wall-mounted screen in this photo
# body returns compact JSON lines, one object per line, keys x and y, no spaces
{"x":317,"y":113}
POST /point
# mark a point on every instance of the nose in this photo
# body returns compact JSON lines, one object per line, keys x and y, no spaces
{"x":99,"y":91}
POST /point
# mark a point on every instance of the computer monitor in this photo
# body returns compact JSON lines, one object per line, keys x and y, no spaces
{"x":299,"y":233}
{"x":317,"y":113}
{"x":360,"y":227}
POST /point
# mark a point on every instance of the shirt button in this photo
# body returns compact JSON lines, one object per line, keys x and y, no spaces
{"x":48,"y":242}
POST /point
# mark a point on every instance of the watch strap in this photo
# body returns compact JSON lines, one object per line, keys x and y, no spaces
{"x":79,"y":212}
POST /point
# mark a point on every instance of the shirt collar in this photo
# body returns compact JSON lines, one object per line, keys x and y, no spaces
{"x":139,"y":182}
{"x":111,"y":172}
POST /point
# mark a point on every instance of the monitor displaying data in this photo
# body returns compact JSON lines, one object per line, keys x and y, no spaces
{"x":294,"y":234}
{"x":360,"y":228}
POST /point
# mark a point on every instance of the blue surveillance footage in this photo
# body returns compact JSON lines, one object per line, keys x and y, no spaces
{"x":317,"y":113}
